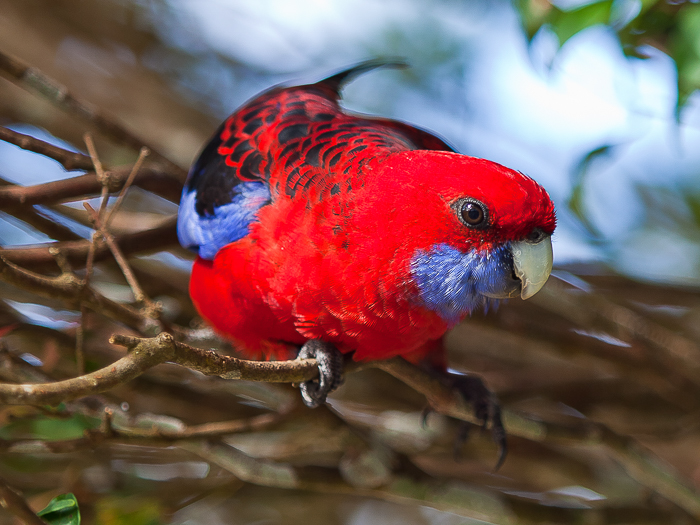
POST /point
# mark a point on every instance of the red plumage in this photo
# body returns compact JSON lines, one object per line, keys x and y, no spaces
{"x":353,"y":199}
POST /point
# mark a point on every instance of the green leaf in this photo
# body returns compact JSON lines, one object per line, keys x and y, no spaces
{"x":62,"y":510}
{"x":673,"y":27}
{"x":566,"y":24}
{"x":533,"y":15}
{"x":685,"y":50}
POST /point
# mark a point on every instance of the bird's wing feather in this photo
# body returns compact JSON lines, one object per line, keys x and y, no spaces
{"x":280,"y":145}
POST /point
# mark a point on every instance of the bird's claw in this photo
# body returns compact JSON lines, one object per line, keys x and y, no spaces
{"x":330,"y":371}
{"x":486,"y":409}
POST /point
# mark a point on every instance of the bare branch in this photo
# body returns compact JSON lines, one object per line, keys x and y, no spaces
{"x":69,"y":289}
{"x":34,"y":80}
{"x":125,"y":369}
{"x":155,"y":436}
{"x":70,"y":160}
{"x":639,"y":463}
{"x":146,"y":241}
{"x":129,"y":181}
{"x":228,"y":367}
{"x":139,"y":294}
{"x":145,"y":354}
{"x":75,"y":188}
{"x":677,"y":353}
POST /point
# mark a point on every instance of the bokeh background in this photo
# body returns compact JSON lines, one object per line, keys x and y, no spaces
{"x":595,"y":100}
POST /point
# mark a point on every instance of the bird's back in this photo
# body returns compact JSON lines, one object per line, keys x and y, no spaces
{"x":288,"y":143}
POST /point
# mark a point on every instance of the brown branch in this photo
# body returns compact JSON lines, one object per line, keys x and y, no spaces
{"x":152,"y":309}
{"x":228,"y":367}
{"x":639,"y":463}
{"x":75,"y":188}
{"x":678,"y":354}
{"x":34,"y":80}
{"x":146,"y":241}
{"x":16,"y":504}
{"x":69,"y":288}
{"x":155,"y":436}
{"x":70,"y":160}
{"x":129,"y":181}
{"x":123,"y":370}
{"x":147,"y":353}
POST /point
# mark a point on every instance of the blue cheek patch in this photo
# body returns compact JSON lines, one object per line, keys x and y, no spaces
{"x":453,"y":283}
{"x":207,"y":234}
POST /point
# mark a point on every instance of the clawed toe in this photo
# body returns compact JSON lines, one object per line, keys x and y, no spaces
{"x":486,"y":409}
{"x":330,"y":371}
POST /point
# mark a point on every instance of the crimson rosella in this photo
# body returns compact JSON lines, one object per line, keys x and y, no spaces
{"x":329,"y":231}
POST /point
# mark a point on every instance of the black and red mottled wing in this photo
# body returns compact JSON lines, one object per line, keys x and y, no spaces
{"x":279,"y":145}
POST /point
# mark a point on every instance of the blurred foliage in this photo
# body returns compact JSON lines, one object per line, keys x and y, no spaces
{"x":576,"y":199}
{"x":49,"y":427}
{"x":671,"y":26}
{"x":62,"y":510}
{"x":115,"y":510}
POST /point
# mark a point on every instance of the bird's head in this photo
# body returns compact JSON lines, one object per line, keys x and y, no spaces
{"x":471,"y":230}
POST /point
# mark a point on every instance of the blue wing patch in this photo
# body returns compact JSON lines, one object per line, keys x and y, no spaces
{"x":206,"y":234}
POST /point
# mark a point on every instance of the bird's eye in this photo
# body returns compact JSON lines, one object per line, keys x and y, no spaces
{"x":473,"y":213}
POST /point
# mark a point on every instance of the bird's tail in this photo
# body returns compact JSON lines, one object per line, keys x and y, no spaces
{"x":337,"y":82}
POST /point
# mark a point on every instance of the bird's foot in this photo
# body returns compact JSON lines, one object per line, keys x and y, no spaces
{"x":486,"y":409}
{"x":330,"y":371}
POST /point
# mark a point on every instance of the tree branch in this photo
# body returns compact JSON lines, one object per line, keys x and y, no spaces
{"x":34,"y":80}
{"x":69,"y":288}
{"x":75,"y":188}
{"x":639,"y":463}
{"x":147,"y":353}
{"x":70,"y":160}
{"x":155,"y":436}
{"x":76,"y":252}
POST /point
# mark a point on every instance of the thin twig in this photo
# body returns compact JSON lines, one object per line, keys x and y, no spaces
{"x":80,"y":332}
{"x":70,"y":160}
{"x":61,"y":260}
{"x":138,"y":292}
{"x":99,"y":170}
{"x":129,"y":181}
{"x":68,"y":288}
{"x":104,"y":180}
{"x":33,"y":79}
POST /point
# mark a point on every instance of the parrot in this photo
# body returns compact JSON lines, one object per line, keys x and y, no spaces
{"x":327,"y":234}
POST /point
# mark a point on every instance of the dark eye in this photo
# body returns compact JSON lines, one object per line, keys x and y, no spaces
{"x":473,"y":213}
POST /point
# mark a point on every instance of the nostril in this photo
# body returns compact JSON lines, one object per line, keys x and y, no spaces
{"x":535,"y":236}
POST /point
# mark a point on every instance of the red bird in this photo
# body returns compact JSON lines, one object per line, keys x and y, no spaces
{"x":330,"y":230}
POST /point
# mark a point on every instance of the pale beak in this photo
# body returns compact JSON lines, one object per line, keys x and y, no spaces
{"x":532,"y":263}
